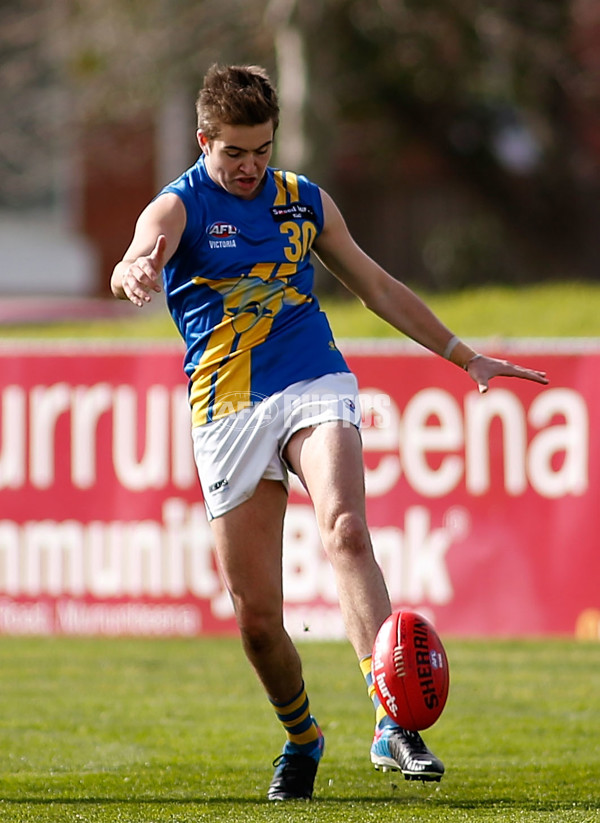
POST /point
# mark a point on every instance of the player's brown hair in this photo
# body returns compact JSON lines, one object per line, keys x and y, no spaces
{"x":236,"y":96}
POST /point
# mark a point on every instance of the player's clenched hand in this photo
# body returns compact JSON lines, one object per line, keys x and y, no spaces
{"x":143,"y":275}
{"x":482,"y":369}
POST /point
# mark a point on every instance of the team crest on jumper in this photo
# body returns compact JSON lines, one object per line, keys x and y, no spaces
{"x":221,"y":235}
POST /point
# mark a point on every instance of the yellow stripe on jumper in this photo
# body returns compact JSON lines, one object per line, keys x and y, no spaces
{"x":287,"y":187}
{"x":291,"y":181}
{"x":281,"y":199}
{"x":221,"y":382}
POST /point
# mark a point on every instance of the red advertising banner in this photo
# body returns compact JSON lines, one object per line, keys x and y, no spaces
{"x":483,"y":508}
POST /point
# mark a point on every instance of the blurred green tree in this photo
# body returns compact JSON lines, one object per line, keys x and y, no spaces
{"x":503,"y":98}
{"x":463,"y":133}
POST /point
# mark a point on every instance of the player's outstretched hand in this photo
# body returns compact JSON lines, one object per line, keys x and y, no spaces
{"x":482,"y":369}
{"x":143,"y":275}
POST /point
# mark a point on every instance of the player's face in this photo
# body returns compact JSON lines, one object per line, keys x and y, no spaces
{"x":237,"y":159}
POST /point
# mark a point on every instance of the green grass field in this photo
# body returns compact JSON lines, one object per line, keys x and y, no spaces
{"x":178,"y":731}
{"x":567,"y":309}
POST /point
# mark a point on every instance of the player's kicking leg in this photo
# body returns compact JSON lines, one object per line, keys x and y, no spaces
{"x":336,"y":487}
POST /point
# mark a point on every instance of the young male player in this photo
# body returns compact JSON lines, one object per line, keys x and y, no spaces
{"x":271,"y":393}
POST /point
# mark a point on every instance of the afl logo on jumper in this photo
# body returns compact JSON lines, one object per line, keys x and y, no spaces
{"x":221,"y":235}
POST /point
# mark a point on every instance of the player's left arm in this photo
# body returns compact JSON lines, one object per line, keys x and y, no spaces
{"x":400,"y":306}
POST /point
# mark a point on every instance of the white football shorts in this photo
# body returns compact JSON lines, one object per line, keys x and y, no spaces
{"x":233,"y":453}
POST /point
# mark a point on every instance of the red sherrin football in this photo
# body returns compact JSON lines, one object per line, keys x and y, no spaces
{"x":410,"y":670}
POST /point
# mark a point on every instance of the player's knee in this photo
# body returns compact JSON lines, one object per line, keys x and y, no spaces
{"x":346,"y":536}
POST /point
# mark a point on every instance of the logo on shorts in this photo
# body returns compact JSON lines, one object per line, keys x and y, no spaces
{"x":350,"y":404}
{"x":240,"y":409}
{"x":219,"y":485}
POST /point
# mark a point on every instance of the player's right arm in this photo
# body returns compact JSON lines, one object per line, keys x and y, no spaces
{"x":157,"y":234}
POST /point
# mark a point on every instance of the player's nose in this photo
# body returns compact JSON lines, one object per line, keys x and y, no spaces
{"x":245,"y":164}
{"x":249,"y":165}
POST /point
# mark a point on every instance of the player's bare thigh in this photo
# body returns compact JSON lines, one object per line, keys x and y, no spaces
{"x":248,"y":542}
{"x":328,"y":460}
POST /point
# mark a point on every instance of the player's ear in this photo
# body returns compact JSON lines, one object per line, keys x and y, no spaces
{"x":202,"y":141}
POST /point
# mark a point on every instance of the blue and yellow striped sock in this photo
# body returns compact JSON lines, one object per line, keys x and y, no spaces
{"x":303,"y":733}
{"x":381,"y":716}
